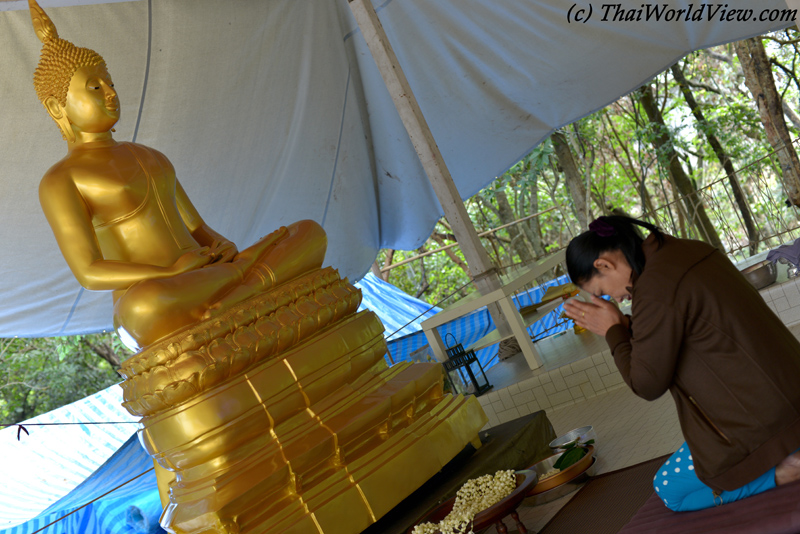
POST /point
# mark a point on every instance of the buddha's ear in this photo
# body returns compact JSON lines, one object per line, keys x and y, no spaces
{"x":57,"y":112}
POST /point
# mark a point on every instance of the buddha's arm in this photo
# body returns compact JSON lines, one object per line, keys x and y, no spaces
{"x":71,"y":222}
{"x":222,"y":249}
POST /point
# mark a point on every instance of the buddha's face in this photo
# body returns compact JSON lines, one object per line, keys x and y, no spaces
{"x":92,"y":103}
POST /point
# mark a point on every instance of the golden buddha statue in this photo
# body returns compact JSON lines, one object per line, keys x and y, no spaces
{"x":124,"y":223}
{"x":265,"y":397}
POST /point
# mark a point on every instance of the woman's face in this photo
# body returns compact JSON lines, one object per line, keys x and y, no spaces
{"x":613,"y":277}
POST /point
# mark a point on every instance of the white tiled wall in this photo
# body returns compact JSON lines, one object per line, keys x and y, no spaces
{"x":784,"y":299}
{"x":598,"y":374}
{"x":554,"y":389}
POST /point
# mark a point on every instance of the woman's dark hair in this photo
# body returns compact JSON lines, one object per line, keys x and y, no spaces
{"x":614,"y":232}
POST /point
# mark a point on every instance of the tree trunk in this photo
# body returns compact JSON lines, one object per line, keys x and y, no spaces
{"x":759,"y":80}
{"x":422,"y":283}
{"x":506,"y":214}
{"x":492,"y":238}
{"x":387,"y":262}
{"x":532,"y":227}
{"x":630,"y":170}
{"x":105,"y":351}
{"x":572,"y":176}
{"x":451,"y":253}
{"x":790,"y":114}
{"x":695,"y":209}
{"x":733,"y":180}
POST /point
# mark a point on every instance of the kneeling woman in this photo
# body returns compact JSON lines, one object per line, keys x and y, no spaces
{"x":698,"y":329}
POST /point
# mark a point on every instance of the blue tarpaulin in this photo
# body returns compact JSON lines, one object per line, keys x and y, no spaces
{"x":400,"y":313}
{"x":57,"y":468}
{"x":133,"y":508}
{"x":473,"y":326}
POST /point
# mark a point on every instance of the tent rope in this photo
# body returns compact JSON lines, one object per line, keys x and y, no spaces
{"x":21,"y":428}
{"x":429,"y":309}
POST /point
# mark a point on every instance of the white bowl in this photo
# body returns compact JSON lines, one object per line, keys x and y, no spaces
{"x":584,"y":434}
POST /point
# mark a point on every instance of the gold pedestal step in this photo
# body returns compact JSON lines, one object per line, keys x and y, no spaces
{"x":282,"y":416}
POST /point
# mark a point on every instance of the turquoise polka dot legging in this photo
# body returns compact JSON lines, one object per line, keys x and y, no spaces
{"x":678,"y":486}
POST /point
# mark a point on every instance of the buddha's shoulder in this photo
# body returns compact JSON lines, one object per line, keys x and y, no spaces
{"x":143,"y":150}
{"x":81,"y":164}
{"x":57,"y":183}
{"x":59,"y":174}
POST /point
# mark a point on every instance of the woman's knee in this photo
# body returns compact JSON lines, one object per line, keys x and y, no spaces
{"x":670,"y":481}
{"x":677,"y":485}
{"x":667,"y":489}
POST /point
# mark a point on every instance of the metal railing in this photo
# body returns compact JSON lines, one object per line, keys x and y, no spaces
{"x":775,"y":221}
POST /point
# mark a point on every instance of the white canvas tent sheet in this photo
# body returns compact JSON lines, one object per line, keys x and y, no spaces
{"x":45,"y":465}
{"x":273,"y":111}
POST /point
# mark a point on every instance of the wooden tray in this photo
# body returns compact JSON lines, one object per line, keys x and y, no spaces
{"x":492,"y":515}
{"x":562,"y":477}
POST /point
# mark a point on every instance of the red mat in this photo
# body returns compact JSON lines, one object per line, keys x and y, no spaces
{"x":607,"y":502}
{"x":773,"y":512}
{"x":623,"y":502}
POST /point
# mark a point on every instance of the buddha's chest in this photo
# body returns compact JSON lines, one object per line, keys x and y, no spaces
{"x":127,"y":186}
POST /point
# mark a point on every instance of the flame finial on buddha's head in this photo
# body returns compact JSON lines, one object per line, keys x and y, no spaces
{"x":59,"y":59}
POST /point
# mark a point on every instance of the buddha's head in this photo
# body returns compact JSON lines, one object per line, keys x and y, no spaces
{"x":72,"y":83}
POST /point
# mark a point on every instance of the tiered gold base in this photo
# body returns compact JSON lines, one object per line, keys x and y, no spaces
{"x":282,"y":416}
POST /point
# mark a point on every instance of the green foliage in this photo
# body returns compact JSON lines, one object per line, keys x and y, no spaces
{"x":615,"y":148}
{"x":435,"y":278}
{"x":572,"y":454}
{"x":38,"y":375}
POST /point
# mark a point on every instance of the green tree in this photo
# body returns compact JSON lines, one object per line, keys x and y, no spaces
{"x":38,"y":375}
{"x":698,"y":122}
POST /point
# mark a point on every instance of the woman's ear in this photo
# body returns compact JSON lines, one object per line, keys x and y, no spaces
{"x":603,"y":265}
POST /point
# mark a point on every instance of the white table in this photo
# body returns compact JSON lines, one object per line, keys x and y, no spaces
{"x":503,"y":297}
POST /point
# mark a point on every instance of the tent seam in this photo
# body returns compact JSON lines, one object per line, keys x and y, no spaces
{"x":338,"y":148}
{"x":146,"y":68}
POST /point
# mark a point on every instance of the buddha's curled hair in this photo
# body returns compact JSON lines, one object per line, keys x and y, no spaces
{"x":59,"y":58}
{"x":58,"y":62}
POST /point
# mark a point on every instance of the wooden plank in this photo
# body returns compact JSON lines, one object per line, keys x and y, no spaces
{"x":421,"y":137}
{"x":459,"y":310}
{"x":528,"y":319}
{"x":484,"y":275}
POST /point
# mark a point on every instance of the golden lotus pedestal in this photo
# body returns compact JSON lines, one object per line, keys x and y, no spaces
{"x":281,"y":415}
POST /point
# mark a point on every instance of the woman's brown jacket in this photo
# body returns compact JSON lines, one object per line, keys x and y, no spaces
{"x":701,"y":331}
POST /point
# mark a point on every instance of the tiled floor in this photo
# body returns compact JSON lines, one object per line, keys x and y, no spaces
{"x":581,"y":368}
{"x":629,"y":431}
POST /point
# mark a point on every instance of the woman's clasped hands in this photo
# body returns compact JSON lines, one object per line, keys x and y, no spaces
{"x":596,"y":316}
